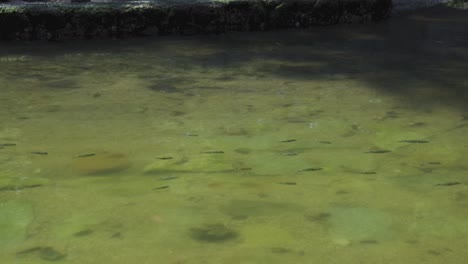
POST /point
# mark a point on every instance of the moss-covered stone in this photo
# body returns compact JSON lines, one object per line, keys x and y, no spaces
{"x":90,"y":20}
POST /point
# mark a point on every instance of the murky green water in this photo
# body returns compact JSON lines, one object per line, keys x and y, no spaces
{"x":336,"y":145}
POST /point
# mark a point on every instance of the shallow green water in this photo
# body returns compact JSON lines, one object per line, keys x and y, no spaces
{"x":336,"y":145}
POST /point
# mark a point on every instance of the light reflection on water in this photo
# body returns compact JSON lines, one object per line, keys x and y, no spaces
{"x":340,"y":144}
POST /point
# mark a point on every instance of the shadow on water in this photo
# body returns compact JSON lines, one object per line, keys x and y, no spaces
{"x":420,"y":56}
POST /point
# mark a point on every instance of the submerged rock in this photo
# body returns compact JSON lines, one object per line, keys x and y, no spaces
{"x":102,"y":163}
{"x":213,"y":233}
{"x":45,"y":253}
{"x":50,"y":254}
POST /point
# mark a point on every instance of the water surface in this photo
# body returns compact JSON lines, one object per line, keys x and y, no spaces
{"x":342,"y":144}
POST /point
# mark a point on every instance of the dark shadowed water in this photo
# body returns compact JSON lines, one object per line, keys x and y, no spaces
{"x":342,"y":144}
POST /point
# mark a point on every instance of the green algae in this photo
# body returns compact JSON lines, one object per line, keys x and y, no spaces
{"x":267,"y":235}
{"x":357,"y":224}
{"x":10,"y":9}
{"x":15,"y":217}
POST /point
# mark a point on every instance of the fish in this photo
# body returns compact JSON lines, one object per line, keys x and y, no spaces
{"x":168,"y":178}
{"x":213,"y":152}
{"x":287,"y":183}
{"x":85,"y":155}
{"x":165,"y":158}
{"x":448,"y":184}
{"x":17,"y":188}
{"x":7,"y":144}
{"x":311,"y":169}
{"x":161,"y":187}
{"x":413,"y":141}
{"x":289,"y":154}
{"x":40,"y":152}
{"x":288,"y":140}
{"x":380,"y":151}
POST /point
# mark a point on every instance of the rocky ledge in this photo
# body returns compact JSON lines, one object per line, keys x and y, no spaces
{"x":401,"y":5}
{"x":56,"y":21}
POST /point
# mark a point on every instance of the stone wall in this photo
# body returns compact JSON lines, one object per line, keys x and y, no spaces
{"x":413,"y":4}
{"x":64,"y":21}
